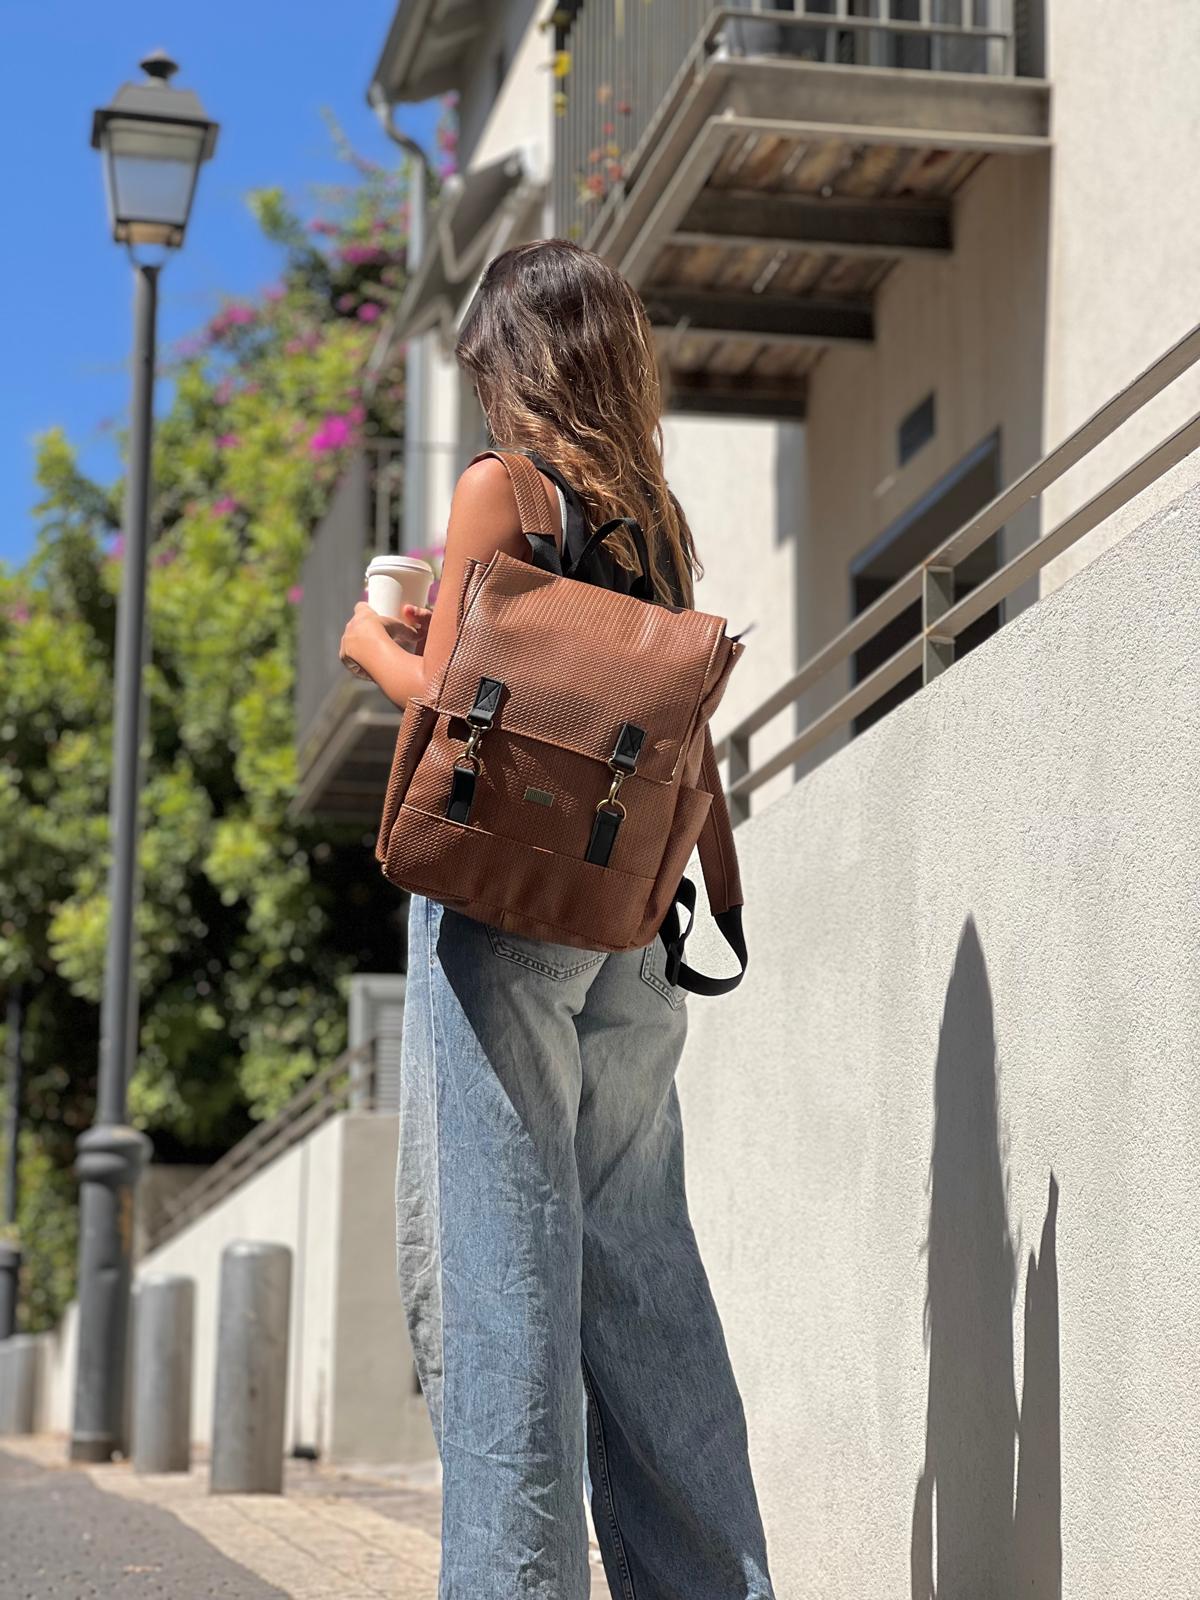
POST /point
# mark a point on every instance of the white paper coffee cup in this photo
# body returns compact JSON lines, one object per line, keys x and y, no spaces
{"x":397,"y":581}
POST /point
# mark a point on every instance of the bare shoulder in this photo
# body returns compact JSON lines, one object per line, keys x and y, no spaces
{"x":484,"y":484}
{"x":483,"y":514}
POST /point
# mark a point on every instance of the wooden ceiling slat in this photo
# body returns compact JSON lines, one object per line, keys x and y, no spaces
{"x":816,"y":170}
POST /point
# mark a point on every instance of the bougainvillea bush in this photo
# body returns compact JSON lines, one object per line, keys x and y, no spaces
{"x":249,"y":921}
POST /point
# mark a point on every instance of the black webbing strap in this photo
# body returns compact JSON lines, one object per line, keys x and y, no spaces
{"x":675,"y":938}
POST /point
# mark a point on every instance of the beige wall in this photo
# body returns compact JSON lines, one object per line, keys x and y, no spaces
{"x":1125,"y":234}
{"x":973,"y":940}
{"x":969,"y":328}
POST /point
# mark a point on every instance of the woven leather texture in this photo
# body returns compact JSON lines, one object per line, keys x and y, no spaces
{"x":577,"y":661}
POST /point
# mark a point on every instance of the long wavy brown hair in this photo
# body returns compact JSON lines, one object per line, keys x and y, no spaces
{"x":560,"y":351}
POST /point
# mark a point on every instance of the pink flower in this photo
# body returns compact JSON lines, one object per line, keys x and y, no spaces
{"x":228,"y":441}
{"x":19,"y":614}
{"x":223,"y":393}
{"x":274,"y":294}
{"x":164,"y":558}
{"x":294,"y":347}
{"x":333,"y":434}
{"x":225,"y":506}
{"x":235,"y":316}
{"x":319,"y":225}
{"x":346,"y":302}
{"x":356,"y":415}
{"x":356,"y":255}
{"x":295,"y":594}
{"x":369,"y":311}
{"x":116,"y":549}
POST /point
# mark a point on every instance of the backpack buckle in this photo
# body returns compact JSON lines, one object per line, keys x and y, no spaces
{"x":468,"y":764}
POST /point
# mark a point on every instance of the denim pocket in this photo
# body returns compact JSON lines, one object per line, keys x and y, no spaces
{"x":654,"y":972}
{"x":536,"y":955}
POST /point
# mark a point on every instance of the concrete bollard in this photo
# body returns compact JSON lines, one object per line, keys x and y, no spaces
{"x":18,"y":1383}
{"x":162,"y":1373}
{"x":252,"y":1369}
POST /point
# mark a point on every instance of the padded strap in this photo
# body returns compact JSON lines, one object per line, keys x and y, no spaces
{"x":722,"y":880}
{"x":533,"y":503}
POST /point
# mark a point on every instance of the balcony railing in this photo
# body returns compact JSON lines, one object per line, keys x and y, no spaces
{"x":631,"y":65}
{"x":363,"y":519}
{"x":945,"y":619}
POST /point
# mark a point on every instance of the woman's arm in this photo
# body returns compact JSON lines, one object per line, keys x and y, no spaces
{"x":483,"y":519}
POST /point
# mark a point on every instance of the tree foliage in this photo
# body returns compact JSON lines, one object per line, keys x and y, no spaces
{"x":249,"y":921}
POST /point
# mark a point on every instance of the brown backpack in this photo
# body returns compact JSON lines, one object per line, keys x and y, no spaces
{"x":560,"y":774}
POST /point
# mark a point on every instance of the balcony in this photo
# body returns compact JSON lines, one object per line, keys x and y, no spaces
{"x":757,"y":173}
{"x":345,"y":728}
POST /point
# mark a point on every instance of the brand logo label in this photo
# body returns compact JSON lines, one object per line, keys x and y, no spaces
{"x":539,"y":797}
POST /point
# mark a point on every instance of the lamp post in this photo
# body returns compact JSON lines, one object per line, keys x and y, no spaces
{"x":153,"y":139}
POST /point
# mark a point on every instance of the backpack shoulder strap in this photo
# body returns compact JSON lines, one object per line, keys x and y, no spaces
{"x":722,"y":881}
{"x":533,"y":507}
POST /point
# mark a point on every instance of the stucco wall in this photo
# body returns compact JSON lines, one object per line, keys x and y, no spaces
{"x":970,"y":329}
{"x":1125,"y":236}
{"x":974,"y":974}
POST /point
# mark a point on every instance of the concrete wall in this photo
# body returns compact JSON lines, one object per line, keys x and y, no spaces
{"x":970,"y":328}
{"x":1070,"y":274}
{"x":352,"y":1389}
{"x":1125,"y":235}
{"x":943,"y":1143}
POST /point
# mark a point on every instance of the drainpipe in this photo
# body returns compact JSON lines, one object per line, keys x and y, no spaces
{"x":416,"y":361}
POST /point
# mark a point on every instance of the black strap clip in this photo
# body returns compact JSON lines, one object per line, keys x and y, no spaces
{"x":610,"y":813}
{"x":468,"y":765}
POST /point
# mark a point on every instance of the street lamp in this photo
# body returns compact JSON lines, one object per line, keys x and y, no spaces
{"x":154,"y":139}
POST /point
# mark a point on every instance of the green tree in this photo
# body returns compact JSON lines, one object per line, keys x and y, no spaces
{"x":250,"y":921}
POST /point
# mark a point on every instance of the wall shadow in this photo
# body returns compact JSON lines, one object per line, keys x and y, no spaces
{"x":970,"y":1539}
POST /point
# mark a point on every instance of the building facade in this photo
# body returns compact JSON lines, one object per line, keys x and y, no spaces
{"x":890,"y":259}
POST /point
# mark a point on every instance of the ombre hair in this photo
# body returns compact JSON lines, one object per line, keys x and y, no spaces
{"x":561,"y":354}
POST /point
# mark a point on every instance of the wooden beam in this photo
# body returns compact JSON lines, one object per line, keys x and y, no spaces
{"x":840,"y":225}
{"x":720,"y":394}
{"x":769,"y":319}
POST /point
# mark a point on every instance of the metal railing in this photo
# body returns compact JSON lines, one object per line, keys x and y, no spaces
{"x":632,"y":62}
{"x":345,"y":1084}
{"x":363,"y":519}
{"x":944,"y":619}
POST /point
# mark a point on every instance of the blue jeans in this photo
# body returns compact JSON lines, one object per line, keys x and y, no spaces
{"x":543,"y":1242}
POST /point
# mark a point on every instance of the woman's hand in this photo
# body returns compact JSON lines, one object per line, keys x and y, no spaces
{"x":361,"y":639}
{"x":413,"y":628}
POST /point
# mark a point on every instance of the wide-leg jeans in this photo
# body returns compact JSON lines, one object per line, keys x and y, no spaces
{"x":544,"y":1242}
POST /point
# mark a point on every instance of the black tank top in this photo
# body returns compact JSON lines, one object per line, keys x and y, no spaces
{"x":599,"y":567}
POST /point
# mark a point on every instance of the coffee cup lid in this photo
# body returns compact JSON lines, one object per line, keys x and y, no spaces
{"x":382,"y":565}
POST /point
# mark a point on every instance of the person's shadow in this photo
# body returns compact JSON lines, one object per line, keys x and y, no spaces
{"x":968,"y":1540}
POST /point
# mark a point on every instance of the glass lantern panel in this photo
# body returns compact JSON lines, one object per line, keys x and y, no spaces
{"x":152,"y":171}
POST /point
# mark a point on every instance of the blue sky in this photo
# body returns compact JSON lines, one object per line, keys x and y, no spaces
{"x":264,"y":70}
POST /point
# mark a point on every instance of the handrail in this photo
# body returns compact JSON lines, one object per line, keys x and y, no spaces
{"x":350,"y":1077}
{"x":944,"y":620}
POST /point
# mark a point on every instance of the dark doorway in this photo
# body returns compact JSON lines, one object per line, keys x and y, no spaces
{"x":953,"y":500}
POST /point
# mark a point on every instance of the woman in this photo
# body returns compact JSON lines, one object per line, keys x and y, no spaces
{"x":543,"y":1237}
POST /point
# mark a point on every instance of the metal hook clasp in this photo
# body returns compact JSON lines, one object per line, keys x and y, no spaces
{"x":610,"y":799}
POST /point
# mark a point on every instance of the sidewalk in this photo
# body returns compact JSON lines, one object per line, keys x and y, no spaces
{"x":75,"y":1532}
